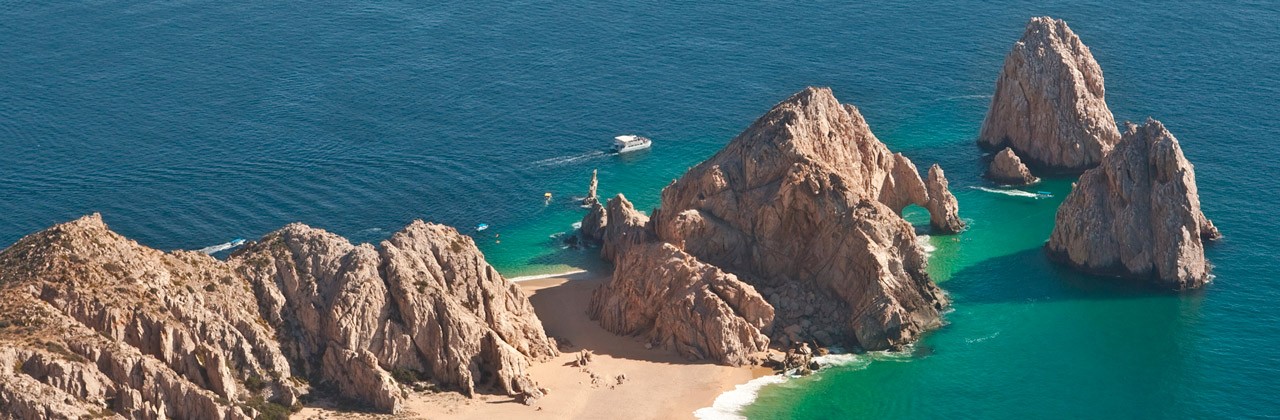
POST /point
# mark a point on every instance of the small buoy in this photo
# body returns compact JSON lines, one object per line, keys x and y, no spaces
{"x":497,"y":242}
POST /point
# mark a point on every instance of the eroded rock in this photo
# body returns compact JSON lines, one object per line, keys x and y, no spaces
{"x":1050,"y":102}
{"x":107,"y":324}
{"x":1006,"y":168}
{"x":1137,"y":214}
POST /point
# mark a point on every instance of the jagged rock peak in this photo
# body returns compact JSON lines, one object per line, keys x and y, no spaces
{"x":1050,"y":103}
{"x":1006,"y":168}
{"x":1137,"y":214}
{"x":811,"y":129}
{"x":805,"y":205}
{"x":624,"y":227}
{"x":88,"y":312}
{"x":591,"y":190}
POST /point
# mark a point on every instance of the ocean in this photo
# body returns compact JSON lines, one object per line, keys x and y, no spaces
{"x":190,"y":123}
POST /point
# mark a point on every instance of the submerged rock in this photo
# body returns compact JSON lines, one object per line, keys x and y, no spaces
{"x":1006,"y":168}
{"x":1137,"y":214}
{"x":1050,"y":103}
{"x":108,"y":324}
{"x":805,"y":203}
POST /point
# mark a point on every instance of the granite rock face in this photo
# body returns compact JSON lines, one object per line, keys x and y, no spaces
{"x":804,"y":206}
{"x":672,"y":299}
{"x":944,"y":210}
{"x":1050,"y":103}
{"x":1006,"y":168}
{"x":1137,"y":214}
{"x":91,"y":321}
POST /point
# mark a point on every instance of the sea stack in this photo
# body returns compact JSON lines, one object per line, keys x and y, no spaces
{"x":93,"y":322}
{"x":1137,"y":214}
{"x":591,"y":190}
{"x":1007,"y":169}
{"x":1050,"y":103}
{"x":802,"y":208}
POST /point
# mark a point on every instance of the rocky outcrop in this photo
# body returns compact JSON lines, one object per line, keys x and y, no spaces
{"x":1050,"y":103}
{"x":625,"y":226}
{"x":1137,"y":214}
{"x":1006,"y":168}
{"x":804,"y":205}
{"x":944,"y":211}
{"x":107,"y":325}
{"x":675,"y":301}
{"x":591,"y":191}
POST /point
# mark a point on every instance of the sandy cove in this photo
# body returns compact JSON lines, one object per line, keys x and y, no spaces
{"x":659,"y":384}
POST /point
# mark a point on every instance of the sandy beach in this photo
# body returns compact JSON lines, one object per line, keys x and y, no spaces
{"x":658,"y":383}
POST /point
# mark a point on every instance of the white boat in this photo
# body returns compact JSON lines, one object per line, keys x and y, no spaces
{"x":630,"y":143}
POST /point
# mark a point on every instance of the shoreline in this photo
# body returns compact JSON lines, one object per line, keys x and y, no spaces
{"x":658,"y":384}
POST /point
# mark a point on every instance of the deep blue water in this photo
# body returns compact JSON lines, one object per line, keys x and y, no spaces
{"x":190,"y":123}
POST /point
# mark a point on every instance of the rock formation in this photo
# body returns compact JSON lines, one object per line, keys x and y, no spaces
{"x":1006,"y":168}
{"x":804,"y":206}
{"x":672,"y":299}
{"x":1050,"y":104}
{"x":944,"y":211}
{"x":91,"y":322}
{"x":1137,"y":214}
{"x":591,"y":191}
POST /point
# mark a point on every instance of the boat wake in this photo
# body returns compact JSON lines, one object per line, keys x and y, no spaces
{"x":1014,"y":193}
{"x":566,"y":160}
{"x":221,"y":247}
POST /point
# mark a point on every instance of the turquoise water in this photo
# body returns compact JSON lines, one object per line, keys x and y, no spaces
{"x":190,"y":123}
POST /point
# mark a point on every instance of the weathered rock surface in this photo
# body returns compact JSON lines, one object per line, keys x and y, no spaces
{"x":591,"y":190}
{"x":625,"y":226}
{"x":1050,"y":103}
{"x":1137,"y":214}
{"x":944,"y":211}
{"x":678,"y":302}
{"x":804,"y":205}
{"x":93,"y":322}
{"x":1006,"y":168}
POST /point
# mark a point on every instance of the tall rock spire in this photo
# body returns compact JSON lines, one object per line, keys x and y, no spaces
{"x":1050,"y":103}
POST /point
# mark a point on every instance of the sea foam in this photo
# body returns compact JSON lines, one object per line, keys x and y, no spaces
{"x":729,"y":405}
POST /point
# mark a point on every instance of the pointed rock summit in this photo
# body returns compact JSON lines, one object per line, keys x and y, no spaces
{"x":93,"y":321}
{"x":802,"y":208}
{"x":1006,"y":168}
{"x":591,"y":190}
{"x":1050,"y":104}
{"x":1137,"y":214}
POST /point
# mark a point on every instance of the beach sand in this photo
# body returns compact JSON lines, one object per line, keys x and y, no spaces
{"x":658,"y":384}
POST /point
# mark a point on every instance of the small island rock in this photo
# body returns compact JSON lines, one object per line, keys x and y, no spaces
{"x":1137,"y":214}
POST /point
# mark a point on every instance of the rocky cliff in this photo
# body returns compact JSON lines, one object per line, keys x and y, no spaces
{"x":1050,"y":104}
{"x":91,"y":322}
{"x":803,"y":206}
{"x":1006,"y":168}
{"x":1137,"y":214}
